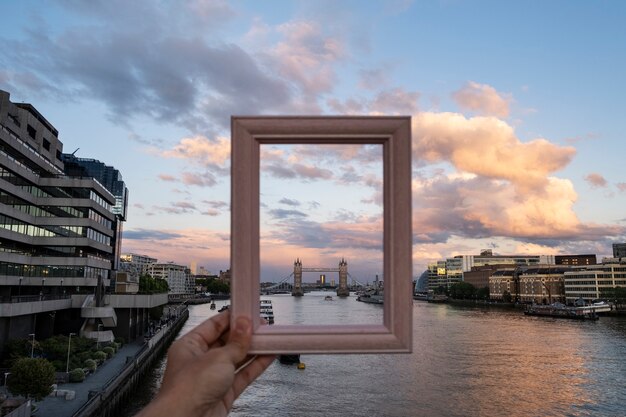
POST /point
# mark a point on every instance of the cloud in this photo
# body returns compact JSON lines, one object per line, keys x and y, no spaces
{"x":206,"y":179}
{"x":167,"y":177}
{"x":174,"y":72}
{"x":596,"y":180}
{"x":289,"y":202}
{"x":487,"y":147}
{"x":145,"y":234}
{"x":621,"y":186}
{"x":202,"y":151}
{"x":216,"y":204}
{"x":309,"y":172}
{"x":282,"y":213}
{"x":372,"y":79}
{"x":178,"y":207}
{"x":306,"y":56}
{"x":390,"y":101}
{"x":482,"y":99}
{"x":395,"y":101}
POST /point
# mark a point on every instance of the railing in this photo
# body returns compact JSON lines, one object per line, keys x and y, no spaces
{"x":32,"y":298}
{"x":97,"y":398}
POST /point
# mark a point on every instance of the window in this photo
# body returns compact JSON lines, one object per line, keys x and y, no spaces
{"x":31,"y":131}
{"x":46,"y":144}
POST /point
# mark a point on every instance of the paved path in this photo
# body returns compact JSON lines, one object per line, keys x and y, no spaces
{"x":60,"y":407}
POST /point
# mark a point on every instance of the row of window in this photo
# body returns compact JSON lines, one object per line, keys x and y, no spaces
{"x":52,"y":192}
{"x":58,"y":251}
{"x":52,"y":211}
{"x":24,"y":228}
{"x":57,"y":271}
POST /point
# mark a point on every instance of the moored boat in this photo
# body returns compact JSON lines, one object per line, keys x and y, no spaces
{"x":561,"y":311}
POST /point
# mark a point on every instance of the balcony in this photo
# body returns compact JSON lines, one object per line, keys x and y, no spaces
{"x":33,"y":304}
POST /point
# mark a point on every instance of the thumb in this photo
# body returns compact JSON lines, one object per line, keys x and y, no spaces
{"x":239,"y":340}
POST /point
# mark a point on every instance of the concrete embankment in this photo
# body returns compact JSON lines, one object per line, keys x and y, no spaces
{"x":107,"y":401}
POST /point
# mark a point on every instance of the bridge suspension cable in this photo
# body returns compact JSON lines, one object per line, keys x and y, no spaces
{"x":283,"y":280}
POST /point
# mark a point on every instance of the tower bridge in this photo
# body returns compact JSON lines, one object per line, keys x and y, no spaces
{"x":293,"y":282}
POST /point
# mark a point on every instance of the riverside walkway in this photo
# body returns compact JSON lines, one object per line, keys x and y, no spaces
{"x":60,"y":407}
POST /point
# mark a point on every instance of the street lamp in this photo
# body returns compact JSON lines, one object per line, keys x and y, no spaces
{"x":32,"y":345}
{"x":98,"y":339}
{"x":69,"y":343}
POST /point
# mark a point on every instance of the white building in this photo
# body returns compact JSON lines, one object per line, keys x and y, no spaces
{"x":178,"y":277}
{"x":589,"y":281}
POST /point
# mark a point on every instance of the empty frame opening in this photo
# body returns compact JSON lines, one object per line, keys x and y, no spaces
{"x":321,"y":233}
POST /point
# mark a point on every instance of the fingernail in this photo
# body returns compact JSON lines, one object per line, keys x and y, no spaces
{"x":242,"y":325}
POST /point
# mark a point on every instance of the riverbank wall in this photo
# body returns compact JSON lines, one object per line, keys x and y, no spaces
{"x":107,"y":401}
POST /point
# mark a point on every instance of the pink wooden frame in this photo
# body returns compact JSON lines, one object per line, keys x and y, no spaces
{"x":394,"y":134}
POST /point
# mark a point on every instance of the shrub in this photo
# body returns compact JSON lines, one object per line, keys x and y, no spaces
{"x":116,"y":346}
{"x":77,"y":375}
{"x":109,"y":351}
{"x":90,"y":364}
{"x":83,"y":356}
{"x":99,"y":356}
{"x":31,"y":377}
{"x":119,"y":340}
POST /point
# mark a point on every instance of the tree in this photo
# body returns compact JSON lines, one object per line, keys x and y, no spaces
{"x":215,"y":286}
{"x":507,"y":297}
{"x":149,"y":285}
{"x":482,"y":293}
{"x":462,"y":290}
{"x":31,"y":377}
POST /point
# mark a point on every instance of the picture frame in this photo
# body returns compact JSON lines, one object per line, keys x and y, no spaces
{"x":248,"y":133}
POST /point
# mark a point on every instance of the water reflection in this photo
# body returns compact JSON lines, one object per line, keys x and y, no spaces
{"x":466,"y":362}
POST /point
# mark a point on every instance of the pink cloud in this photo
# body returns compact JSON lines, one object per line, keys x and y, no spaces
{"x":621,"y":186}
{"x":483,"y":99}
{"x":206,"y":179}
{"x":487,"y":147}
{"x":167,"y":177}
{"x":596,"y":180}
{"x":201,"y":150}
{"x":306,"y":56}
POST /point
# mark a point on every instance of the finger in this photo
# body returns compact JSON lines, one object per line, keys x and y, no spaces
{"x":239,"y":340}
{"x":251,"y":372}
{"x":210,"y":330}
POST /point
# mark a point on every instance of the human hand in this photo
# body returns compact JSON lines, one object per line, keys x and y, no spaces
{"x":200,"y":377}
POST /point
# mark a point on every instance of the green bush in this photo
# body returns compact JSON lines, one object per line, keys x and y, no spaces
{"x":83,"y":356}
{"x":77,"y":375}
{"x":119,"y":340}
{"x":90,"y":364}
{"x":31,"y":377}
{"x":109,"y":351}
{"x":99,"y":356}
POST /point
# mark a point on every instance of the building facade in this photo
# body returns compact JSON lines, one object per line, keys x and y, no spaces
{"x":57,"y":235}
{"x":178,"y":277}
{"x":619,"y":250}
{"x":587,"y":283}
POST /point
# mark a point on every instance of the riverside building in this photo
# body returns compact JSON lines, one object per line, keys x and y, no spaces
{"x":59,"y":236}
{"x":178,"y":277}
{"x":588,"y":282}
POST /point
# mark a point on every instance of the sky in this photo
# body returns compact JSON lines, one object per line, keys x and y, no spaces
{"x":517,"y":119}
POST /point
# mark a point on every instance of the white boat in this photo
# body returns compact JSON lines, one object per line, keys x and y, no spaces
{"x":267,"y":311}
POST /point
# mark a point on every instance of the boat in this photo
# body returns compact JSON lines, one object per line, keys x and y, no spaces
{"x":328,"y":298}
{"x":289,"y":359}
{"x":561,"y":311}
{"x":371,"y":296}
{"x":436,"y":298}
{"x":421,"y":296}
{"x":267,"y":311}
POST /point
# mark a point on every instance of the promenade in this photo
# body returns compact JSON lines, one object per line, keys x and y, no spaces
{"x":60,"y":407}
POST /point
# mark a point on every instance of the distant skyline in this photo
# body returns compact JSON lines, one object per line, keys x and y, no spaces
{"x":518,"y":117}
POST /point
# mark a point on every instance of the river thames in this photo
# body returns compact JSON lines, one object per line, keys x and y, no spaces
{"x":466,"y":361}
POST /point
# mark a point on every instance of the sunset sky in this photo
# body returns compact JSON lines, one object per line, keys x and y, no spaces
{"x":518,"y":119}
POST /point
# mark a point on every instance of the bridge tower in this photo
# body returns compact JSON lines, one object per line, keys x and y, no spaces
{"x":297,"y":290}
{"x":342,"y":289}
